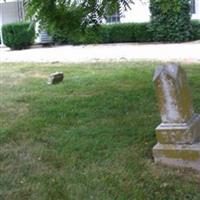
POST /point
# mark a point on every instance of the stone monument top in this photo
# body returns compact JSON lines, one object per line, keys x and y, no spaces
{"x":170,"y":69}
{"x":173,"y":94}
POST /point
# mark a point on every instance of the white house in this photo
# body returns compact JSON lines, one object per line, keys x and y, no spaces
{"x":13,"y":11}
{"x":140,"y":12}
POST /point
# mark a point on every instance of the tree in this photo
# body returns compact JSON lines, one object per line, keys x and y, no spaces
{"x":171,"y":20}
{"x":72,"y":16}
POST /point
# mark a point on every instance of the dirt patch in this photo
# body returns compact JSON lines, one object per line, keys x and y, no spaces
{"x":38,"y":75}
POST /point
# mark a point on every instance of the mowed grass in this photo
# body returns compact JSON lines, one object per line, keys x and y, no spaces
{"x":90,"y":137}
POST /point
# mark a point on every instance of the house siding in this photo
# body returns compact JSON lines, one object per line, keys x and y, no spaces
{"x":140,"y":12}
{"x":196,"y":15}
{"x":11,"y":12}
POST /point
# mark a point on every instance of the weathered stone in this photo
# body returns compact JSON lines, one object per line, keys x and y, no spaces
{"x":55,"y":78}
{"x":178,"y":155}
{"x":178,"y":135}
{"x":173,"y":94}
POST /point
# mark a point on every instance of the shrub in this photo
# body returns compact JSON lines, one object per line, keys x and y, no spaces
{"x":170,"y":20}
{"x":142,"y":32}
{"x":126,"y":32}
{"x":195,"y":30}
{"x":18,"y":35}
{"x":59,"y":37}
{"x":112,"y":33}
{"x":21,"y":35}
{"x":129,"y":32}
{"x":117,"y":33}
{"x":88,"y":36}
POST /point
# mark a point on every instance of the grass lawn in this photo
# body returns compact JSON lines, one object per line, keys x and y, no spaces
{"x":90,"y":137}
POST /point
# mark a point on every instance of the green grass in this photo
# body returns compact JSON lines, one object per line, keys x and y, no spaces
{"x":90,"y":137}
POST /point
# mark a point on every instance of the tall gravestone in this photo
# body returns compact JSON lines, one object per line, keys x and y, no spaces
{"x":178,"y":135}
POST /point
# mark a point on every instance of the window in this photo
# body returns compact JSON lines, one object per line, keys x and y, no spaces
{"x":113,"y":18}
{"x":193,"y":8}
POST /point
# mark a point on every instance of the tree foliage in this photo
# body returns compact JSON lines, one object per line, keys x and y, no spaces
{"x":71,"y":16}
{"x":171,"y":20}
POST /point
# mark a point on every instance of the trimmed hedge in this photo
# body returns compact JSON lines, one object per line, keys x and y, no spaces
{"x":127,"y":32}
{"x":119,"y":33}
{"x":195,"y":29}
{"x":142,"y":32}
{"x":114,"y":33}
{"x":18,"y":35}
{"x":89,"y":36}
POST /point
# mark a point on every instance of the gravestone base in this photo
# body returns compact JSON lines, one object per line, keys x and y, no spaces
{"x":179,"y":133}
{"x":179,"y":155}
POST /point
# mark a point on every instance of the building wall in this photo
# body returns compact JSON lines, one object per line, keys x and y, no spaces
{"x":139,"y":12}
{"x":197,"y":13}
{"x":11,"y":12}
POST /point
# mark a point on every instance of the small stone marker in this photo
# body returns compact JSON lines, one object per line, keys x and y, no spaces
{"x":178,"y":135}
{"x":55,"y":78}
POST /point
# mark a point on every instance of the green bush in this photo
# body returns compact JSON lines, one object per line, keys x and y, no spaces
{"x":126,"y":32}
{"x":89,"y":36}
{"x":142,"y":32}
{"x":195,"y":30}
{"x":104,"y":33}
{"x":117,"y":33}
{"x":114,"y":33}
{"x":18,"y":35}
{"x":130,"y":32}
{"x":59,"y":37}
{"x":170,"y":20}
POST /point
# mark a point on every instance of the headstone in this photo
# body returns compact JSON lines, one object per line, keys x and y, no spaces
{"x":55,"y":78}
{"x":178,"y":135}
